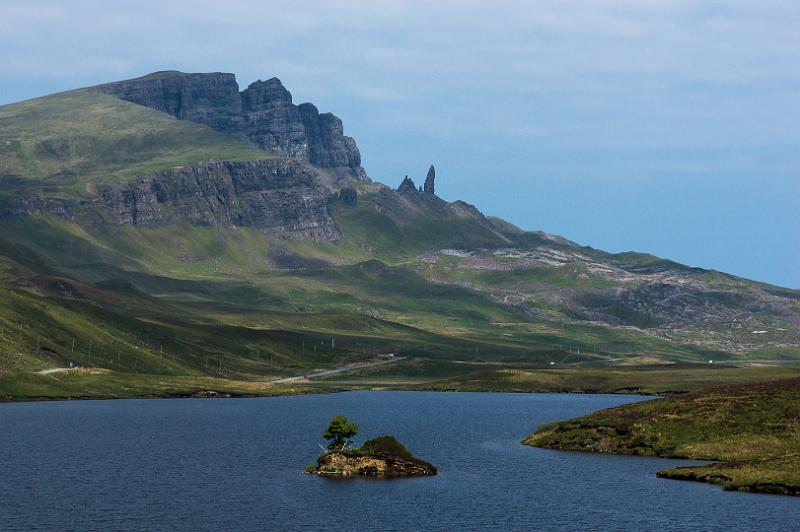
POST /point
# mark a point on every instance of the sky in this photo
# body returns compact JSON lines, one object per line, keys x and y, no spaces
{"x":661,"y":126}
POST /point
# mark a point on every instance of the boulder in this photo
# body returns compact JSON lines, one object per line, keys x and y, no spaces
{"x":348,"y":195}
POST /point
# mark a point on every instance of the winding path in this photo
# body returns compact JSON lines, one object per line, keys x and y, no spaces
{"x":53,"y":370}
{"x":334,"y":371}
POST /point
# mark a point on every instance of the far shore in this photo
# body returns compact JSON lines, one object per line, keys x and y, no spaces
{"x":69,"y":384}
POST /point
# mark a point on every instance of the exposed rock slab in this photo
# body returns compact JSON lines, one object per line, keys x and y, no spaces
{"x":278,"y":196}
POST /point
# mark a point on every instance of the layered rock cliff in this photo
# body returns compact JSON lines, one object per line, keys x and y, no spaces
{"x":279,"y":196}
{"x":263,"y":113}
{"x":210,"y":99}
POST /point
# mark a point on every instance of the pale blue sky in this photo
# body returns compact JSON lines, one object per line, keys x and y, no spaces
{"x":665,"y":126}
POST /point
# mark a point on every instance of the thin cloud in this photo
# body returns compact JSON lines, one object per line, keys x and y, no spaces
{"x":549,"y":91}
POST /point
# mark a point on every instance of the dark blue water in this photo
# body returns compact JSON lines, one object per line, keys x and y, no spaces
{"x":200,"y":464}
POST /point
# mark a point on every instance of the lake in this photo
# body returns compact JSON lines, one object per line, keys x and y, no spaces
{"x":235,"y":464}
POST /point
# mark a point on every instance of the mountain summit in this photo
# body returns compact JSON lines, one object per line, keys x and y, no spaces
{"x":263,"y":113}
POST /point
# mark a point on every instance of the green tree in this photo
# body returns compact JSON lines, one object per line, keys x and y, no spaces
{"x":339,"y":432}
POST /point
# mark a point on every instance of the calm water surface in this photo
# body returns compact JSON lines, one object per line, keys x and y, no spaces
{"x":199,"y":464}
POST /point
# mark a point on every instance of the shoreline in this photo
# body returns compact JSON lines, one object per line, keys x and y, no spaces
{"x":318,"y":391}
{"x":747,"y":432}
{"x":100,"y":384}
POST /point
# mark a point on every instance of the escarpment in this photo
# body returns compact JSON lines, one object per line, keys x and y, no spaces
{"x":278,"y":196}
{"x":263,"y":114}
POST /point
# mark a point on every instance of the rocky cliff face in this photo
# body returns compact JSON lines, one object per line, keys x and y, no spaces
{"x":212,"y":99}
{"x":279,"y":197}
{"x":263,"y":113}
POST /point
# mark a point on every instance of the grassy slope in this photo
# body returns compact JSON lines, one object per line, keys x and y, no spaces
{"x":102,"y":384}
{"x":39,"y":332}
{"x":754,"y":428}
{"x":59,"y":144}
{"x":234,"y":283}
{"x":396,"y":228}
{"x":371,"y":232}
{"x":117,"y":292}
{"x":212,"y":298}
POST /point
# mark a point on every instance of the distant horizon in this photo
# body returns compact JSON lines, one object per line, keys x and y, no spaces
{"x":665,"y":128}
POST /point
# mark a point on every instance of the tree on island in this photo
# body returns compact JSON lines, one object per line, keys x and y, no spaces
{"x":339,"y":432}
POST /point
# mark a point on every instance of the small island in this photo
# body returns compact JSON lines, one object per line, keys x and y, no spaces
{"x":381,"y":457}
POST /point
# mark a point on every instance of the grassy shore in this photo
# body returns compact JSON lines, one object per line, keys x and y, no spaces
{"x":414,"y":374}
{"x":753,"y":428}
{"x":426,"y":374}
{"x":771,"y":475}
{"x":645,"y":380}
{"x":90,"y":383}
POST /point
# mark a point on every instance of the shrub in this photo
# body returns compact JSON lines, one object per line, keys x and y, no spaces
{"x":386,"y":445}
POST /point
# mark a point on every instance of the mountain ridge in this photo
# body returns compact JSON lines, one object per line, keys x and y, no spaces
{"x":168,"y":226}
{"x":263,"y":113}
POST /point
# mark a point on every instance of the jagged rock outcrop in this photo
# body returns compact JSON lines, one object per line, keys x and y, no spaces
{"x":328,"y":147}
{"x":348,"y":195}
{"x":407,"y":186}
{"x":272,"y":122}
{"x":430,"y":179}
{"x":278,"y":196}
{"x":429,"y":187}
{"x":263,"y":114}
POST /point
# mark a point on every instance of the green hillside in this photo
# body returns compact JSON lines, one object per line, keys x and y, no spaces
{"x":62,"y":144}
{"x":408,"y":274}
